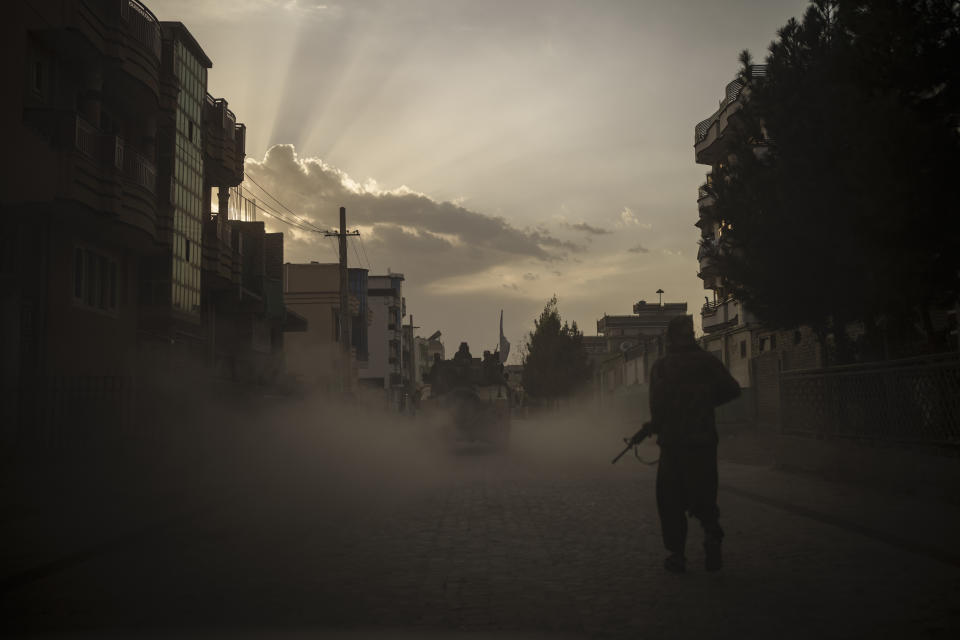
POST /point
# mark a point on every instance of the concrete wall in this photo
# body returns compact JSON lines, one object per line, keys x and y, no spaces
{"x":728,"y":346}
{"x":312,"y":290}
{"x":926,"y":471}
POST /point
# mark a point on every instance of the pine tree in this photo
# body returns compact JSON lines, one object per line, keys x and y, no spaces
{"x":835,"y":203}
{"x":556,"y":363}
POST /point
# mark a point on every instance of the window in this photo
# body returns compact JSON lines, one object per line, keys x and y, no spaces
{"x":743,"y":348}
{"x":95,"y":278}
{"x":762,"y":345}
{"x":797,"y":337}
{"x":773,"y":342}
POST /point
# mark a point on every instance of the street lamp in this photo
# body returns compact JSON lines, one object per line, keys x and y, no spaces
{"x":660,"y":293}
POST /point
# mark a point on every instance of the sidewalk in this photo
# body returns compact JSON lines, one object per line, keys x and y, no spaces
{"x":56,"y":511}
{"x":921,"y":524}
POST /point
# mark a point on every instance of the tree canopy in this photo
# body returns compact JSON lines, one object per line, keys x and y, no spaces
{"x":834,"y":205}
{"x":556,"y":363}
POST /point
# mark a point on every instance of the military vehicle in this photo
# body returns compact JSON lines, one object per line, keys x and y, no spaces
{"x":469,"y":398}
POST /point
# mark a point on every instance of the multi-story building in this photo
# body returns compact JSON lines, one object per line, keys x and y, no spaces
{"x":731,"y":332}
{"x":80,"y":207}
{"x":385,"y":365}
{"x":626,"y":346}
{"x":315,"y":356}
{"x":111,"y":248}
{"x":728,"y":326}
{"x":648,"y":322}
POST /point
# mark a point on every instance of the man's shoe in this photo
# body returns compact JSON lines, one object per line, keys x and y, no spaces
{"x":675,"y":563}
{"x":713,"y":560}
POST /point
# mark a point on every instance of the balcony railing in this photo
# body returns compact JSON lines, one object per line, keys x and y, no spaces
{"x":710,"y":308}
{"x":731,"y":93}
{"x":228,"y":119}
{"x":143,"y":25}
{"x":86,"y":138}
{"x":114,"y":150}
{"x":708,"y":249}
{"x":140,"y":170}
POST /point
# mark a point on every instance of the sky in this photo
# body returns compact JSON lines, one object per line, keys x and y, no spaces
{"x":495,"y":153}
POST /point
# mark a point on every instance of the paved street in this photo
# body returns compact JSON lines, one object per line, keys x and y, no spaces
{"x":385,"y":532}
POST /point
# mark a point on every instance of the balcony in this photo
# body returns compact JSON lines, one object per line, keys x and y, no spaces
{"x":224,"y":143}
{"x":142,"y":26}
{"x":720,"y":315}
{"x":136,"y":40}
{"x":705,"y":199}
{"x":218,"y":255}
{"x":707,"y":133}
{"x":98,"y":169}
{"x":708,"y":262}
{"x":140,"y":171}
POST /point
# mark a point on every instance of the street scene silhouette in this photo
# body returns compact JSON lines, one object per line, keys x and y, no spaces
{"x":402,"y":320}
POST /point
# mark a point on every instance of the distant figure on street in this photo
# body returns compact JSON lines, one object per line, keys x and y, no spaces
{"x":686,"y":385}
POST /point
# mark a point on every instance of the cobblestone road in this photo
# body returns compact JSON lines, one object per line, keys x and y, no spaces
{"x":400,"y":537}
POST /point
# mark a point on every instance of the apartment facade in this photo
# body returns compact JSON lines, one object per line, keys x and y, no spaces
{"x":385,"y":368}
{"x":728,"y":326}
{"x":80,"y":208}
{"x":106,"y":205}
{"x":754,"y":354}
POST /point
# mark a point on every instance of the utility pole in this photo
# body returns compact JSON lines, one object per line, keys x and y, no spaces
{"x":412,"y":365}
{"x":344,"y":299}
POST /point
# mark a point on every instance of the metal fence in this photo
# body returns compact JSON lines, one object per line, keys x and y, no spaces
{"x":916,"y":400}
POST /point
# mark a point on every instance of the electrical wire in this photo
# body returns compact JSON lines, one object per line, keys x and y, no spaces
{"x":305,"y":224}
{"x":357,"y":254}
{"x":260,"y":206}
{"x":285,"y":207}
{"x":369,"y":266}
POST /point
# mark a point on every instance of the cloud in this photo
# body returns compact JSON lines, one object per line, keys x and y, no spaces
{"x":530,"y":276}
{"x":638,"y":249}
{"x":401,"y":227}
{"x":629,"y":219}
{"x":586,"y":228}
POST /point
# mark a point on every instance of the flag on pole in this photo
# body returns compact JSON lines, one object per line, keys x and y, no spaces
{"x":504,"y":345}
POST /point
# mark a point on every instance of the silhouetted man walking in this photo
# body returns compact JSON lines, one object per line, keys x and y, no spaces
{"x":685,"y":386}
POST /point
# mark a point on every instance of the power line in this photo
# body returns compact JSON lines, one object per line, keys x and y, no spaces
{"x":285,"y":207}
{"x":274,"y":214}
{"x":355,"y":253}
{"x":333,"y":245}
{"x":305,"y":225}
{"x":369,"y":266}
